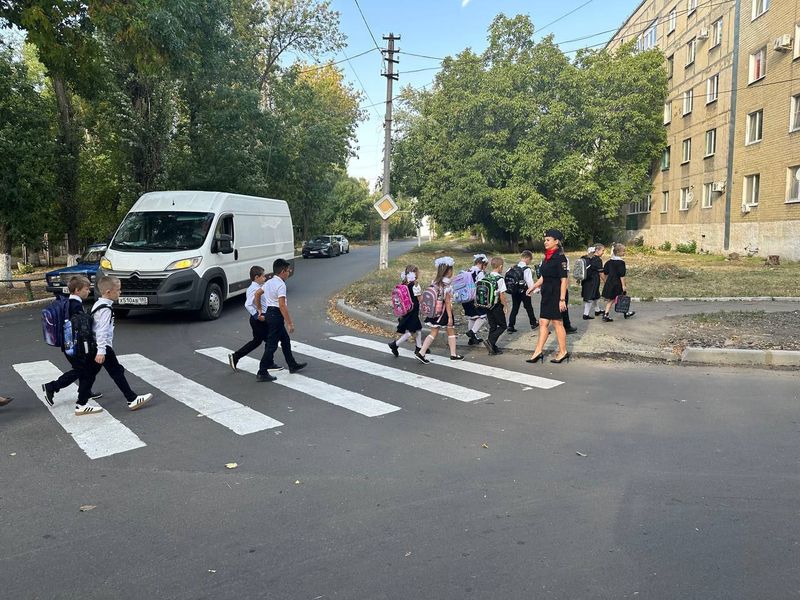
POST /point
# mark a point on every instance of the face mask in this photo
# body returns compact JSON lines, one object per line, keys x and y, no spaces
{"x":445,"y":280}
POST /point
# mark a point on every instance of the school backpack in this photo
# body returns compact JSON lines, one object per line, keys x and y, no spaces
{"x":464,"y":287}
{"x":486,"y":295}
{"x":401,"y":300}
{"x":622,"y":304}
{"x":54,"y":317}
{"x":431,"y":305}
{"x":79,"y":337}
{"x":515,"y":280}
{"x":579,"y":270}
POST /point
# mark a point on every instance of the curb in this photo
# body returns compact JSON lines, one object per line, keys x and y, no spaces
{"x":8,"y":307}
{"x":723,"y":299}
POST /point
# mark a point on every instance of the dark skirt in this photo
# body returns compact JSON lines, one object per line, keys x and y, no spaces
{"x":551,"y":294}
{"x":409,"y":322}
{"x":440,"y":320}
{"x":472,"y":311}
{"x":612,"y":288}
{"x":590,"y":287}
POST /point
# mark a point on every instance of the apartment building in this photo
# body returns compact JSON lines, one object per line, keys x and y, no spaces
{"x":728,"y":177}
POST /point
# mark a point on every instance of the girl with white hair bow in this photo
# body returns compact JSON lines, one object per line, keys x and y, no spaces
{"x":444,"y":274}
{"x":590,"y":286}
{"x":476,"y":317}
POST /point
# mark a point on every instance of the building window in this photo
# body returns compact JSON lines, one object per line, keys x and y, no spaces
{"x":664,"y":202}
{"x":797,"y":41}
{"x":712,"y":89}
{"x":691,"y":48}
{"x":685,"y":198}
{"x":751,"y":185}
{"x":759,"y":8}
{"x":640,"y":206}
{"x":667,"y":112}
{"x":670,"y":66}
{"x":672,"y":23}
{"x":686,"y":155}
{"x":688,"y":101}
{"x":665,"y":159}
{"x":793,"y":186}
{"x":758,"y":65}
{"x":716,"y":33}
{"x":755,"y":127}
{"x":794,"y":116}
{"x":711,"y":142}
{"x":707,"y":195}
{"x":648,"y":39}
{"x":691,"y":6}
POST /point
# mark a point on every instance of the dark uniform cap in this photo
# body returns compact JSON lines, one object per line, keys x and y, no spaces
{"x":555,"y":234}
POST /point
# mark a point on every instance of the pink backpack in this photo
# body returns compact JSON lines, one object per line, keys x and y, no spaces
{"x":431,"y":305}
{"x":401,"y":300}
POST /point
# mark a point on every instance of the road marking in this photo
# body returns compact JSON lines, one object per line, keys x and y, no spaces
{"x":471,"y":367}
{"x":429,"y":384}
{"x":236,"y":417}
{"x":98,"y":435}
{"x":359,"y":403}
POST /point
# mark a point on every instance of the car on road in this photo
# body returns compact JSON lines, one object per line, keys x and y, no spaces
{"x":344,"y":243}
{"x":322,"y":245}
{"x":57,"y":280}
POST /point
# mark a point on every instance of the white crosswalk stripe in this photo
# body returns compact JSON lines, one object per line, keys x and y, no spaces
{"x":471,"y":367}
{"x":332,"y":394}
{"x":429,"y":384}
{"x":238,"y":418}
{"x":98,"y":435}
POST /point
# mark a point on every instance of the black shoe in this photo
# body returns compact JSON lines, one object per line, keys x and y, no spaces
{"x":571,"y":329}
{"x":420,"y":357}
{"x":49,"y":391}
{"x":456,"y":357}
{"x":266,"y":377}
{"x":497,"y":350}
{"x":560,"y":360}
{"x":628,"y":315}
{"x":393,"y":348}
{"x":232,"y":362}
{"x":417,"y":348}
{"x":597,"y":313}
{"x":537,"y":358}
{"x":607,"y":319}
{"x":93,"y":396}
{"x":511,"y":330}
{"x":588,"y":318}
{"x":535,"y":325}
{"x":274,"y":367}
{"x":297,"y":367}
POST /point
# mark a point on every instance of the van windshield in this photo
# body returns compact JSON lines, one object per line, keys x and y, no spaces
{"x":162,"y":231}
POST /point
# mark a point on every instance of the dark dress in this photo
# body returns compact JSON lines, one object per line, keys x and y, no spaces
{"x":590,"y":286}
{"x":470,"y":310}
{"x":410,"y":321}
{"x":553,"y":271}
{"x":614,"y":270}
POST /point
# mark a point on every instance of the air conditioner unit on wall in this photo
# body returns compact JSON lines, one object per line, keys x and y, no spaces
{"x":783,"y":43}
{"x":703,"y":35}
{"x":718,"y":186}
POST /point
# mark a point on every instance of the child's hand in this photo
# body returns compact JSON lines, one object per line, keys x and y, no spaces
{"x":100,"y":359}
{"x":261,"y":318}
{"x":290,"y":327}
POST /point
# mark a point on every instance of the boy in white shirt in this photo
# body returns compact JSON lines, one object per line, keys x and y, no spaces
{"x":258,"y":278}
{"x":278,"y":322}
{"x":523,"y":297}
{"x":497,"y":314}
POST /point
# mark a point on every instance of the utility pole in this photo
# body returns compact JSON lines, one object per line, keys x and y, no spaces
{"x":391,"y":77}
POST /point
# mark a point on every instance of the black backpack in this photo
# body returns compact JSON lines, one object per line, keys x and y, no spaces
{"x":515,"y":280}
{"x":83,"y":341}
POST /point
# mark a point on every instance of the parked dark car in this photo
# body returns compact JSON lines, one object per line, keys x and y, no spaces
{"x":322,"y":245}
{"x":87,"y":266}
{"x":344,"y":243}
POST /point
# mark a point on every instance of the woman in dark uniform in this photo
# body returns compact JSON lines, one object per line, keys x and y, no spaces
{"x":590,"y":286}
{"x":553,"y":281}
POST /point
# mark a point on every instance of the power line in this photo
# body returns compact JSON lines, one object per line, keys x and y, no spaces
{"x":363,"y":88}
{"x":420,"y":70}
{"x":564,"y":16}
{"x":420,"y":55}
{"x":330,"y":64}
{"x":363,"y":18}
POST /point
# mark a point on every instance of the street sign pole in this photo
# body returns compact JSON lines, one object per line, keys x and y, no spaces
{"x":390,"y":75}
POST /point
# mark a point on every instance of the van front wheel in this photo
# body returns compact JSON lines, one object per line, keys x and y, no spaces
{"x":212,"y":303}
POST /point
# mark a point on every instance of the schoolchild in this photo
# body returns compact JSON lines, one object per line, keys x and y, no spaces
{"x":278,"y":322}
{"x":523,"y":297}
{"x":590,"y":286}
{"x":257,"y":279}
{"x":79,"y":288}
{"x":409,"y":324}
{"x":476,"y":316}
{"x":497,"y":314}
{"x":615,"y":285}
{"x":103,"y":356}
{"x":444,"y":273}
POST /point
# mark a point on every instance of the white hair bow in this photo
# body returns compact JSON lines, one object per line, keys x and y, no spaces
{"x":444,"y":260}
{"x":590,"y":250}
{"x":482,"y":257}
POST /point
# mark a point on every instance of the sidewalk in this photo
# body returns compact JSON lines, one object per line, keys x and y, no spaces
{"x":637,"y":338}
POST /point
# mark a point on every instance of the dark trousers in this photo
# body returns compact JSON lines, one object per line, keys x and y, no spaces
{"x":497,"y":324}
{"x":74,"y":374}
{"x":565,"y":314}
{"x":112,"y":367}
{"x":276,"y":333}
{"x":516,"y":300}
{"x":259,"y":336}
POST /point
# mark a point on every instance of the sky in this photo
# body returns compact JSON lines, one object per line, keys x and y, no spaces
{"x":442,"y":28}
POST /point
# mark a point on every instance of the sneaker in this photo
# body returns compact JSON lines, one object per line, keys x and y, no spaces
{"x":93,"y":396}
{"x":139,"y":401}
{"x":274,"y":367}
{"x":393,"y":348}
{"x":421,"y":358}
{"x":297,"y":367}
{"x":456,"y":357}
{"x":571,"y":329}
{"x":629,"y":314}
{"x":232,"y":362}
{"x":49,"y":391}
{"x":266,"y":377}
{"x":87,"y":409}
{"x":511,"y":330}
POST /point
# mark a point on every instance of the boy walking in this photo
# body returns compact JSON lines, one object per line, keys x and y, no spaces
{"x":523,"y":296}
{"x":257,"y":279}
{"x":103,"y":355}
{"x":496,"y":315}
{"x":278,"y":322}
{"x":79,"y":288}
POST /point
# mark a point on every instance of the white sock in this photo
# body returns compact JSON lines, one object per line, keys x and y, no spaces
{"x":428,"y":343}
{"x":418,"y":339}
{"x":479,"y":322}
{"x":587,"y":307}
{"x":403,"y":338}
{"x":451,"y":341}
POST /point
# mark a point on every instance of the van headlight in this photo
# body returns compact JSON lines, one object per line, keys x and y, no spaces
{"x":106,"y":264}
{"x":185,"y":263}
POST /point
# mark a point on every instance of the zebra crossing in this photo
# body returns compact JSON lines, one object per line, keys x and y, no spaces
{"x":103,"y":435}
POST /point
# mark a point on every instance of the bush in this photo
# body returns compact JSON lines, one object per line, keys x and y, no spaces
{"x":642,"y":250}
{"x":690,"y":248}
{"x":25,"y":269}
{"x":637,"y":242}
{"x":666,"y":247}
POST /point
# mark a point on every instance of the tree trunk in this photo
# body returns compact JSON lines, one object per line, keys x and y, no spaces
{"x":5,"y":255}
{"x":66,"y":160}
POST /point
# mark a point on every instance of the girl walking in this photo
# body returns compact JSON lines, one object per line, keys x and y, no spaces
{"x":444,"y":298}
{"x":590,"y":286}
{"x":614,"y":270}
{"x":553,"y":281}
{"x":476,"y":317}
{"x":409,"y":324}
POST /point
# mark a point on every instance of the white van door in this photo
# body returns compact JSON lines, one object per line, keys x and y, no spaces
{"x":236,"y":271}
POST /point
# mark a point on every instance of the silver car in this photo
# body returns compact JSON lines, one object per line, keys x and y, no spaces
{"x":344,"y":243}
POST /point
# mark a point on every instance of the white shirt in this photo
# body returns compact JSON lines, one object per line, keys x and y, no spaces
{"x":479,"y":273}
{"x":275,"y":288}
{"x":527,"y":273}
{"x":103,"y":325}
{"x":249,"y":304}
{"x":501,"y":283}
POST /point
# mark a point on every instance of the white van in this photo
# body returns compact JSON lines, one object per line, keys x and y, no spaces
{"x":192,"y":250}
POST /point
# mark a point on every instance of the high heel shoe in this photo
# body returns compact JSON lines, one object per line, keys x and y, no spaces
{"x":539,"y":357}
{"x":560,"y":360}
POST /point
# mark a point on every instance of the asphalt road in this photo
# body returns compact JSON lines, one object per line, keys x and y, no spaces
{"x":688,"y":487}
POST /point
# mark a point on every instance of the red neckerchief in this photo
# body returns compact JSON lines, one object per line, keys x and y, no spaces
{"x":549,"y":253}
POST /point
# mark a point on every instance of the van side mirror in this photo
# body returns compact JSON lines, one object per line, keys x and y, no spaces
{"x":223,"y":243}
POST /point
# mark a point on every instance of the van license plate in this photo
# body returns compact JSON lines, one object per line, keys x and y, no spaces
{"x":133,"y":300}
